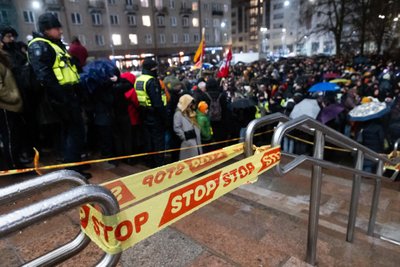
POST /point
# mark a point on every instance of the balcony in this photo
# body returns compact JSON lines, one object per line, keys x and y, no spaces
{"x":216,"y":12}
{"x":161,"y":10}
{"x":52,"y":5}
{"x":185,"y":11}
{"x":5,"y":3}
{"x":131,"y":8}
{"x":96,"y":5}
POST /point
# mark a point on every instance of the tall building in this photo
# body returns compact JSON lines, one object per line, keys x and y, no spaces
{"x":128,"y":29}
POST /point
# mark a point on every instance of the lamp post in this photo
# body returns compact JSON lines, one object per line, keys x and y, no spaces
{"x":36,"y":5}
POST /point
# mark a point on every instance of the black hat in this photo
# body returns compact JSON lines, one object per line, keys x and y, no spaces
{"x":48,"y":21}
{"x":149,"y":64}
{"x":4,"y":29}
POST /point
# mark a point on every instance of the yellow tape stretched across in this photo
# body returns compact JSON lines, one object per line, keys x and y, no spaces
{"x":138,"y":186}
{"x":116,"y":233}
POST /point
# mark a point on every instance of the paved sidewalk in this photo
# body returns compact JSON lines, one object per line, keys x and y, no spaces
{"x":264,"y":224}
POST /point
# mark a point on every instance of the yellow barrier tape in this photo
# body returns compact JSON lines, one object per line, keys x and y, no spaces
{"x":117,"y":233}
{"x":138,"y":186}
{"x":394,"y":154}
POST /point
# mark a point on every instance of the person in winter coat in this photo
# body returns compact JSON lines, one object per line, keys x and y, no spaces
{"x":78,"y":51}
{"x":205,"y":125}
{"x":10,"y":106}
{"x":186,"y":127}
{"x":372,"y":136}
{"x":58,"y":76}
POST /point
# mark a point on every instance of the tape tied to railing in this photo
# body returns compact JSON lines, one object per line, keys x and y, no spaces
{"x":167,"y":204}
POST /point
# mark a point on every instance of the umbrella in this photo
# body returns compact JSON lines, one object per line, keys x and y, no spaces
{"x":307,"y":106}
{"x":340,"y":81}
{"x":330,"y":112}
{"x":323,"y":87}
{"x":243,"y":103}
{"x":368,"y":111}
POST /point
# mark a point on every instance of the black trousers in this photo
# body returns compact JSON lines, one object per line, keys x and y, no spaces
{"x":9,"y":124}
{"x":154,"y":137}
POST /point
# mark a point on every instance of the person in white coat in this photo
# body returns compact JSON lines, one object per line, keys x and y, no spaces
{"x":186,"y":128}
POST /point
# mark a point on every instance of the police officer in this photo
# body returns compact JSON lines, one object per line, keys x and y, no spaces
{"x":153,"y":111}
{"x":56,"y":73}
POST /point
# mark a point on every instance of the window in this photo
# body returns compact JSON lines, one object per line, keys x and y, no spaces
{"x":226,"y":7}
{"x":217,"y":36}
{"x":144,"y":3}
{"x":114,"y":19}
{"x":28,"y":16}
{"x":147,"y":38}
{"x":207,"y":36}
{"x":146,"y":21}
{"x":76,"y":18}
{"x":158,"y":4}
{"x":277,"y":6}
{"x":195,"y":6}
{"x":3,"y":16}
{"x":96,"y":18}
{"x":99,"y":39}
{"x":215,"y":22}
{"x":278,"y":16}
{"x":185,"y":21}
{"x":173,"y":21}
{"x":160,"y":20}
{"x":196,"y":38}
{"x":186,"y":38}
{"x":116,"y":39}
{"x":205,"y":6}
{"x":206,"y":22}
{"x":129,"y":2}
{"x":132,"y":20}
{"x":82,"y":39}
{"x":175,"y":38}
{"x":314,"y":47}
{"x":112,"y":2}
{"x":133,"y":39}
{"x":277,"y":25}
{"x":195,"y":22}
{"x":162,"y":38}
{"x":184,"y":4}
{"x":171,"y":4}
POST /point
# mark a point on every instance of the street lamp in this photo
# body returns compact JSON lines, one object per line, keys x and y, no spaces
{"x":36,"y":5}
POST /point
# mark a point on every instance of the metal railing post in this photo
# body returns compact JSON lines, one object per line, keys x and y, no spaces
{"x":375,"y":199}
{"x":315,"y":199}
{"x":51,"y":206}
{"x":355,"y":195}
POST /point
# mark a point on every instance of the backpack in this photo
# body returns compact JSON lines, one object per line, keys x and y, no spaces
{"x":215,"y":109}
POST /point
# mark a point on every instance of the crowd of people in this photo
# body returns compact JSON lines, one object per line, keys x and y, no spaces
{"x":57,"y":102}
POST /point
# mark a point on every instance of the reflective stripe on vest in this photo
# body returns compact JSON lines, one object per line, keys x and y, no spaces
{"x":143,"y":97}
{"x":64,"y":70}
{"x":140,"y":87}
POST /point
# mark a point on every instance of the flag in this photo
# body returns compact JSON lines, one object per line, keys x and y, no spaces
{"x":200,"y":50}
{"x":223,"y":71}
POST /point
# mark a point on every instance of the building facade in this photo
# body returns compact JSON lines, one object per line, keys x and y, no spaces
{"x":128,"y":29}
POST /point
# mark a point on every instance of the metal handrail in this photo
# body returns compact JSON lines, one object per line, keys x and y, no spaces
{"x":22,"y":189}
{"x":323,"y":133}
{"x":51,"y":206}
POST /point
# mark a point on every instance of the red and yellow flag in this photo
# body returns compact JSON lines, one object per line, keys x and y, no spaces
{"x":200,"y":50}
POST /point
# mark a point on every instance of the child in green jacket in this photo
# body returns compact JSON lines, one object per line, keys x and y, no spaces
{"x":205,"y":125}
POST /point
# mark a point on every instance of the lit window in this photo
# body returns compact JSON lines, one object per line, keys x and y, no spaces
{"x":116,"y":39}
{"x":195,"y":22}
{"x":195,"y":6}
{"x":144,"y":3}
{"x":146,"y":21}
{"x":133,"y":39}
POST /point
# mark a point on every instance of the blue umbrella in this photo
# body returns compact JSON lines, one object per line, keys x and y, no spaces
{"x":323,"y":87}
{"x":368,"y":111}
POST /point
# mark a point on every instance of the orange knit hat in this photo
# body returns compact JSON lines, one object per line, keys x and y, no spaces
{"x":202,"y":107}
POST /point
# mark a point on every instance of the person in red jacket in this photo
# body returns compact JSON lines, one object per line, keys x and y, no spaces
{"x":78,"y":51}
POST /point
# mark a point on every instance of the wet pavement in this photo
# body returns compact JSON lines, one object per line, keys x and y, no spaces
{"x":262,"y":224}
